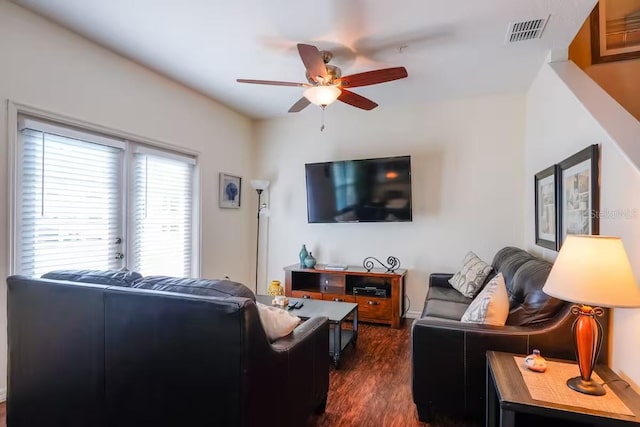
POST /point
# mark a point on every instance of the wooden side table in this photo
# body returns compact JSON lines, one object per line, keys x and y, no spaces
{"x":507,"y":394}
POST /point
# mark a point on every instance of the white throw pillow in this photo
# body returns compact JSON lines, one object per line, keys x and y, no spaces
{"x":491,"y":306}
{"x":471,"y":276}
{"x":276,"y":322}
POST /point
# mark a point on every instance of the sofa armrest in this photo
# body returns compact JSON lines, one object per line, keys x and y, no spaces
{"x":473,"y":340}
{"x":303,"y":357}
{"x":448,"y":360}
{"x":447,"y":353}
{"x":440,"y":280}
{"x":304,"y":332}
{"x":470,"y":328}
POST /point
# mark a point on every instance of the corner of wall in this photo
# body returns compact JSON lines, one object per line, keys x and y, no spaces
{"x":617,"y":122}
{"x":556,"y":55}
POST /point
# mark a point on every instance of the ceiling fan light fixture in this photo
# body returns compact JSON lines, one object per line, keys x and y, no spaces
{"x":326,"y":81}
{"x":322,"y":95}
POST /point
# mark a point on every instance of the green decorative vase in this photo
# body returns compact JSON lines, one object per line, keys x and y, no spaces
{"x":303,"y":255}
{"x":310,"y":261}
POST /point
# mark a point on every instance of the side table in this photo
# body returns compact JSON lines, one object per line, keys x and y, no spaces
{"x":507,"y":394}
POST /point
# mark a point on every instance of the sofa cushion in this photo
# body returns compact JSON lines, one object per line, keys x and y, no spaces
{"x":443,"y":309}
{"x":447,"y":294}
{"x":101,"y":277}
{"x":507,"y":261}
{"x":490,"y":306}
{"x":471,"y":276}
{"x":186,"y":285}
{"x":529,"y":304}
{"x":276,"y":322}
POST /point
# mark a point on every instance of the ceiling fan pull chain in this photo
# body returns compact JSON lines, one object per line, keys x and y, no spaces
{"x":322,"y":124}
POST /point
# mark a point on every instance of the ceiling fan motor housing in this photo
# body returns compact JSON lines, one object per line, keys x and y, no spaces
{"x":333,"y":71}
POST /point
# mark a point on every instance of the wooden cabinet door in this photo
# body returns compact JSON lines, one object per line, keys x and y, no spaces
{"x":374,"y":308}
{"x":332,"y":283}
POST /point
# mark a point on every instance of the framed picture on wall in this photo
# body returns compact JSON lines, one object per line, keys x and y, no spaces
{"x":546,"y":203}
{"x":579,"y":194}
{"x":615,"y":31}
{"x":229,"y":192}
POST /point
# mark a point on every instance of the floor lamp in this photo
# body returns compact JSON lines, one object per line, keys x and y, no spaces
{"x":259,"y":185}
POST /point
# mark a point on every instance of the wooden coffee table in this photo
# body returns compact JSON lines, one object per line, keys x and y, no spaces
{"x":337,"y":312}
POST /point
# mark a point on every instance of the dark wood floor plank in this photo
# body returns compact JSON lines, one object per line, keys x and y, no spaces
{"x":373,"y":385}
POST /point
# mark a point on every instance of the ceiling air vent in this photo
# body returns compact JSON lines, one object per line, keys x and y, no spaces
{"x":525,"y":30}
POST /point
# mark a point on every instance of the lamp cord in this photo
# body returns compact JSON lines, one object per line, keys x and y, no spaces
{"x":408,"y":305}
{"x":616,"y":379}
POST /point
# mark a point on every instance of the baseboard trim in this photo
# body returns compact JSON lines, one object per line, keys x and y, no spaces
{"x":412,"y":314}
{"x":3,"y":394}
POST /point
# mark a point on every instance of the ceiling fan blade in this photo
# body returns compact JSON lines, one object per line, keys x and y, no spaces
{"x":300,"y":105}
{"x":312,"y":60}
{"x":356,"y":100}
{"x":373,"y":77}
{"x":271,"y":82}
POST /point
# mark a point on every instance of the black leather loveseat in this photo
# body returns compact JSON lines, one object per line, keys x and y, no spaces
{"x":448,"y":356}
{"x":86,"y":354}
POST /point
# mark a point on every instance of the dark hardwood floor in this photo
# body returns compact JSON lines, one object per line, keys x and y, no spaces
{"x":372,"y":386}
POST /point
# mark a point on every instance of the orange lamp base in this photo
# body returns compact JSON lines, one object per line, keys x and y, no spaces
{"x":587,"y":387}
{"x":587,"y":333}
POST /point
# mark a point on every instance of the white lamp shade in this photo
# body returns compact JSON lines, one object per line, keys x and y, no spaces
{"x":259,"y":184}
{"x":322,"y":95}
{"x":595,"y":271}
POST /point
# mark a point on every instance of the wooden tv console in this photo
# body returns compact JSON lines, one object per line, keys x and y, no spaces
{"x":338,"y":285}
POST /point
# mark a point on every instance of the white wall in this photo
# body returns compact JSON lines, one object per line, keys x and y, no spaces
{"x":467,"y":162}
{"x":558,"y":125}
{"x":45,"y":66}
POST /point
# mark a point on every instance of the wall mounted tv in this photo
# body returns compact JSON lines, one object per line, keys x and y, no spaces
{"x":368,"y":190}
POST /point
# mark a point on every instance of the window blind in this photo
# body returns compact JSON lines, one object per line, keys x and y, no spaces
{"x":69,"y":203}
{"x":163,"y":214}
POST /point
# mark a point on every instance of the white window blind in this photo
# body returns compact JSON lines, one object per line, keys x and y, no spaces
{"x":69,"y":203}
{"x":163,"y":214}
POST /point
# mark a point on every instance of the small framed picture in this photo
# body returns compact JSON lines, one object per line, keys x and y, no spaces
{"x":546,"y":203}
{"x":579,"y":194}
{"x":614,"y":31}
{"x":229,"y":195}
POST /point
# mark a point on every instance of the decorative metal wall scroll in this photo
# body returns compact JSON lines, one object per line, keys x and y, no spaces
{"x":394,"y":263}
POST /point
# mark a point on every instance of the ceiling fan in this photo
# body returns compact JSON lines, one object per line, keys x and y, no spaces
{"x":326,"y":83}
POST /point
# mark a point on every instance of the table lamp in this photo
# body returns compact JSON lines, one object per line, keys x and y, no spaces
{"x":593,"y":272}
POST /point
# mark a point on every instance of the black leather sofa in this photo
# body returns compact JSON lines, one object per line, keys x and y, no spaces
{"x":448,"y":356}
{"x":86,"y":354}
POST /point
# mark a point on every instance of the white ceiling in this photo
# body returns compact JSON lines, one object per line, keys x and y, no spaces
{"x":451,"y":48}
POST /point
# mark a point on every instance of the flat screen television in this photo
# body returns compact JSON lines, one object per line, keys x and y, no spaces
{"x":367,"y":190}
